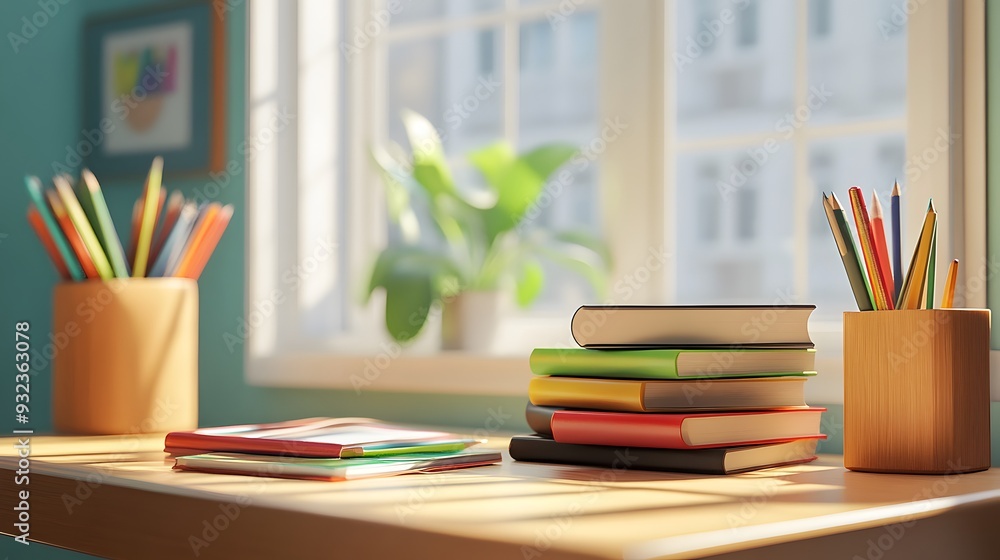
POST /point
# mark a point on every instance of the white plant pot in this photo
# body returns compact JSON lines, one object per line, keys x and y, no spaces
{"x":469,"y":321}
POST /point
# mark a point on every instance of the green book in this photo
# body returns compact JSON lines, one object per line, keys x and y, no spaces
{"x":672,"y":364}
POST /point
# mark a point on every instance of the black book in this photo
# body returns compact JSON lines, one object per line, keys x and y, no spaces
{"x":720,"y":460}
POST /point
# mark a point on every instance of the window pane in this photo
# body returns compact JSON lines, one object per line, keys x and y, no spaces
{"x":737,"y":248}
{"x":734,"y":64}
{"x":872,"y":162}
{"x":451,"y":80}
{"x":858,"y":53}
{"x":414,"y":11}
{"x":558,"y":103}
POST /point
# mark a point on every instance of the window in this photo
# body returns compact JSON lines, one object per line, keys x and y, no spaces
{"x":726,"y":120}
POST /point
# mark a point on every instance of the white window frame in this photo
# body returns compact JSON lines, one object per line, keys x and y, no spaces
{"x":948,"y":36}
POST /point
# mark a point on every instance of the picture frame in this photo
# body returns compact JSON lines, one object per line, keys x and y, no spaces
{"x":154,"y":85}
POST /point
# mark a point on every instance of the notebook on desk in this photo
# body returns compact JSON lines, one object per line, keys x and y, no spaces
{"x":316,"y":437}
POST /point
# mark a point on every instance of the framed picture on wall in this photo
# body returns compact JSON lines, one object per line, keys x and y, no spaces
{"x":153,"y":85}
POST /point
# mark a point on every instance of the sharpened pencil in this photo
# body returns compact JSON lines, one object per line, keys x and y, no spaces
{"x":881,"y":249}
{"x":207,"y":247}
{"x":931,"y":264}
{"x":197,"y":237}
{"x":948,"y":298}
{"x":37,"y":224}
{"x":897,"y":243}
{"x":151,"y":202}
{"x":916,"y":276}
{"x":879,"y":287}
{"x":848,"y":253}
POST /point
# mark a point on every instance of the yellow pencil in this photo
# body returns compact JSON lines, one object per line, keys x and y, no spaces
{"x":948,"y":299}
{"x":916,"y":276}
{"x":151,"y":201}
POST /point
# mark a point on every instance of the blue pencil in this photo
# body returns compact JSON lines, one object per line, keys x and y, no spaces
{"x":897,"y":244}
{"x":175,"y":241}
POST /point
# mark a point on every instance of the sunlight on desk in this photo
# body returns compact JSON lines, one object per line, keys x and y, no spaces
{"x":509,"y":510}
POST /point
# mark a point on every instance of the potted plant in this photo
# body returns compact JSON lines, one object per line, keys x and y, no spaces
{"x":478,"y":242}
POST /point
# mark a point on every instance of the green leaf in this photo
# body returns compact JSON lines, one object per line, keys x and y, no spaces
{"x":430,"y":167}
{"x":413,"y":278}
{"x":407,"y":260}
{"x":520,"y":183}
{"x":492,"y":161}
{"x":408,"y":301}
{"x":530,"y":282}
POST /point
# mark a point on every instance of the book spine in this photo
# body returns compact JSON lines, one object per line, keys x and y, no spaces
{"x":540,"y":418}
{"x":585,"y":393}
{"x":627,"y":430}
{"x":579,"y":362}
{"x":702,"y":461}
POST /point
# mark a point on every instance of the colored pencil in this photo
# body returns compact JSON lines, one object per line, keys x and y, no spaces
{"x":68,"y":257}
{"x":848,"y":253}
{"x":83,"y":227}
{"x":948,"y":298}
{"x":103,"y":224}
{"x":207,"y":247}
{"x":861,"y":220}
{"x":931,"y":264}
{"x":166,"y":225}
{"x":916,"y":275}
{"x":175,"y":242}
{"x":881,"y":249}
{"x":897,"y":243}
{"x":73,"y":236}
{"x":37,"y":224}
{"x":196,"y":239}
{"x":133,"y":237}
{"x":151,"y":201}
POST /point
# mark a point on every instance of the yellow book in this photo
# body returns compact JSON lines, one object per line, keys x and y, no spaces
{"x":632,"y":395}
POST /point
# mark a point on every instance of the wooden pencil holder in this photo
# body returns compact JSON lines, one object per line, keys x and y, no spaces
{"x":126,"y":356}
{"x":917,"y":391}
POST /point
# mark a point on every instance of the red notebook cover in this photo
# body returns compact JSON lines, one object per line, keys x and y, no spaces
{"x":309,"y":437}
{"x":663,"y":431}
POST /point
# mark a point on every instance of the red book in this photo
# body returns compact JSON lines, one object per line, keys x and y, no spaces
{"x":685,"y":431}
{"x":316,"y":437}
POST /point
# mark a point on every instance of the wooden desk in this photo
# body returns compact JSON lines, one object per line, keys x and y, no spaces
{"x":118,"y":497}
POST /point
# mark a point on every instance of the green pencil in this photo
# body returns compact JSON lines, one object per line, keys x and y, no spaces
{"x":930,"y":269}
{"x":848,"y":252}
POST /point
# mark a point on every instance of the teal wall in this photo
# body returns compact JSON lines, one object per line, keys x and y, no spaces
{"x":40,"y":115}
{"x":41,"y":110}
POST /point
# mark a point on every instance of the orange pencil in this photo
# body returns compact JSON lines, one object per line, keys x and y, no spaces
{"x":880,"y":290}
{"x":207,"y":247}
{"x":198,"y":235}
{"x":948,"y":299}
{"x":880,"y":245}
{"x":35,"y":219}
{"x":75,"y":241}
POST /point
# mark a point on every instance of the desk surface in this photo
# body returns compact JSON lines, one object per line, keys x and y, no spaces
{"x":118,"y":497}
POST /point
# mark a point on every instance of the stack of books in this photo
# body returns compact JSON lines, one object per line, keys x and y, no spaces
{"x":704,"y":389}
{"x":324,"y":449}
